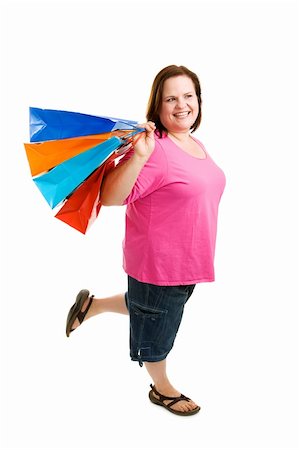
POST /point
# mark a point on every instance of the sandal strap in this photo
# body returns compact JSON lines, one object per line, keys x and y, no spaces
{"x":81,"y":315}
{"x":178,"y":399}
{"x":164,"y":397}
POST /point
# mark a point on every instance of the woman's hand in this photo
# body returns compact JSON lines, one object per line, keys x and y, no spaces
{"x":144,"y":143}
{"x":119,"y":182}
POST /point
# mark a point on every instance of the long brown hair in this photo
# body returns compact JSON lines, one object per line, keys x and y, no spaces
{"x":155,"y":99}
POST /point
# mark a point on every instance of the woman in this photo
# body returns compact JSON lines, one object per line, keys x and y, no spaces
{"x":172,"y":189}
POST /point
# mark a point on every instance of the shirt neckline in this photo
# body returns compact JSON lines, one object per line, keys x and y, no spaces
{"x":188,"y":154}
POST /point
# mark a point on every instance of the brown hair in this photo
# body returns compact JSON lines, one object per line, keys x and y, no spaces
{"x":155,"y":99}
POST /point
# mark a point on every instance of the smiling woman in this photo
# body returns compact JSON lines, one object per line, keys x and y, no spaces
{"x":172,"y":189}
{"x":176,"y":90}
{"x":179,"y":108}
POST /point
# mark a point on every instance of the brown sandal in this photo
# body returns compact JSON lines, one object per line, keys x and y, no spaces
{"x":75,"y":311}
{"x":160,"y":401}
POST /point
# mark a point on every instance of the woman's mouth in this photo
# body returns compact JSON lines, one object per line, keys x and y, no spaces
{"x":182,"y":115}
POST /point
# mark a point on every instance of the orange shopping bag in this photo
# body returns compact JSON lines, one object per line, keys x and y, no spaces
{"x":43,"y":156}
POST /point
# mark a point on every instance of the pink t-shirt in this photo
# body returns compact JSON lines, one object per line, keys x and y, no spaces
{"x":171,"y":217}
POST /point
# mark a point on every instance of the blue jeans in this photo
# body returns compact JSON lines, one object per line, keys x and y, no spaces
{"x":155,"y":316}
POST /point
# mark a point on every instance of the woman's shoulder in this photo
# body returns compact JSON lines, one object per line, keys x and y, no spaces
{"x":159,"y":150}
{"x":161,"y":141}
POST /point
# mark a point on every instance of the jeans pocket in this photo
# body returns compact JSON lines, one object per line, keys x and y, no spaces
{"x":147,"y":323}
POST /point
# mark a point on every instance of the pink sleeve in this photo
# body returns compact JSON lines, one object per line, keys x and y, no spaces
{"x":151,"y":177}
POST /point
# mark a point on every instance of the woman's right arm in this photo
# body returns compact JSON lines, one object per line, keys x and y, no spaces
{"x":119,"y":182}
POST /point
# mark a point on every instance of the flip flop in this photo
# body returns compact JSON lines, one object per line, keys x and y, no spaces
{"x":75,"y":311}
{"x":160,"y":401}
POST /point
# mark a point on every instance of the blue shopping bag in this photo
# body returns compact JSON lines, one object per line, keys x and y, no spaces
{"x":62,"y":180}
{"x":51,"y":124}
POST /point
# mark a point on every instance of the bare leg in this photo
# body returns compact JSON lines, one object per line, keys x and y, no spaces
{"x":116,"y":304}
{"x":157,"y":371}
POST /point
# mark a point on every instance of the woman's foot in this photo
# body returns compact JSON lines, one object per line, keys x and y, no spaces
{"x":87,"y":306}
{"x":170,"y":391}
{"x":80,"y":310}
{"x":83,"y":309}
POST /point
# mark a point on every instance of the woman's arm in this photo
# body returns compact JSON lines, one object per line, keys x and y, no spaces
{"x":119,"y":182}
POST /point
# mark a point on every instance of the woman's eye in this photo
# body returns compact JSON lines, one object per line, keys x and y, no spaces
{"x":189,"y":95}
{"x":170,"y":99}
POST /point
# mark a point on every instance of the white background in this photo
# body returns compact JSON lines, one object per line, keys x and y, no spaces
{"x":237,"y":350}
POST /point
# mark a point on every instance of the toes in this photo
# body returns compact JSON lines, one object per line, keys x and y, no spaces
{"x":183,"y":407}
{"x":189,"y":406}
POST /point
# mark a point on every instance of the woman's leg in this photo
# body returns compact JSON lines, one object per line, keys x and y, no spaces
{"x":157,"y":371}
{"x":116,"y":304}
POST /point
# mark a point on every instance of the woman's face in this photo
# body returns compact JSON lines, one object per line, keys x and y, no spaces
{"x":179,"y":108}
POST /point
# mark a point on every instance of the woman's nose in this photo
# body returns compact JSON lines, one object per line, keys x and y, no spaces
{"x":181,"y":103}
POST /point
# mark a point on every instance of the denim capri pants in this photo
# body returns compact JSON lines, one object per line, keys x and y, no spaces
{"x":155,"y":316}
